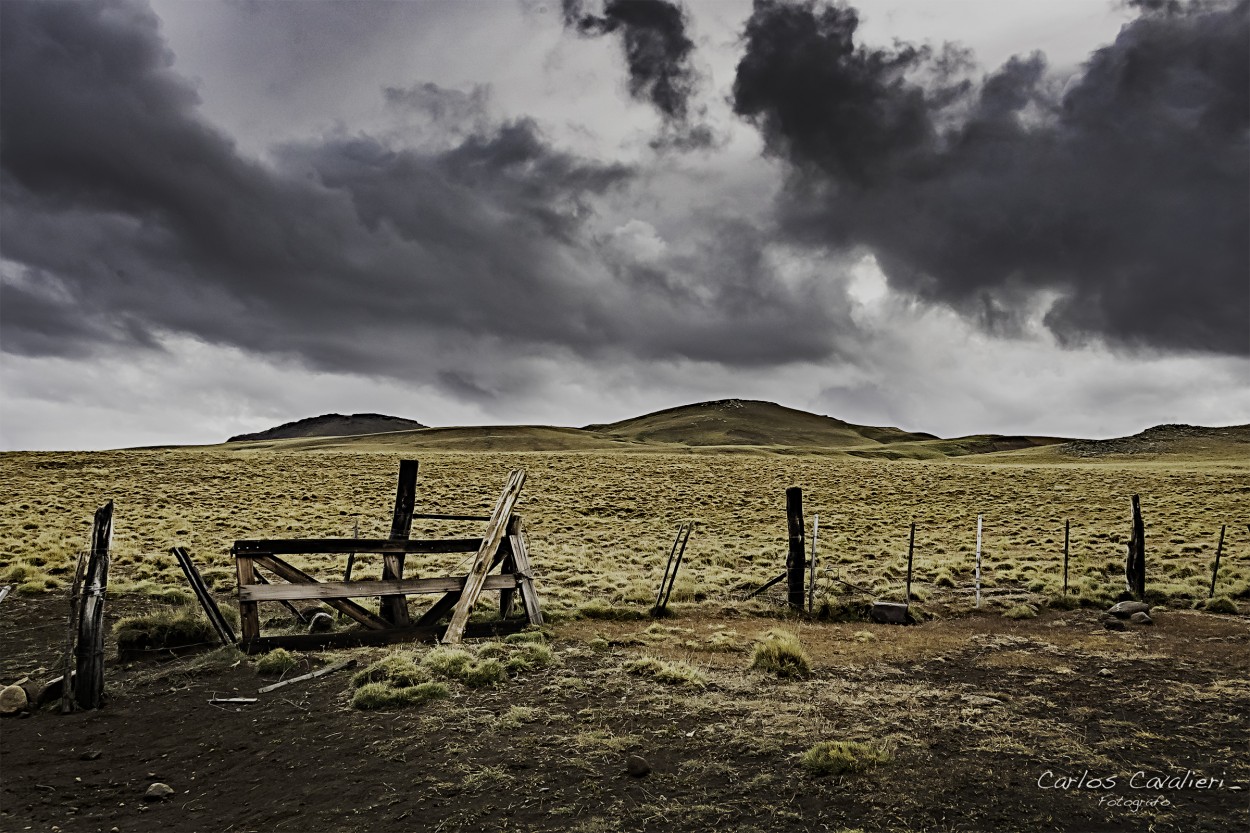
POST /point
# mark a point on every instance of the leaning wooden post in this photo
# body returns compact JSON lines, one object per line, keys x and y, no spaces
{"x":1219,"y":548}
{"x":911,"y":548}
{"x":978,"y":561}
{"x":67,"y":663}
{"x":798,"y":553}
{"x":1135,"y":563}
{"x":1066,"y":524}
{"x":394,"y":609}
{"x":496,"y":528}
{"x":89,"y":682}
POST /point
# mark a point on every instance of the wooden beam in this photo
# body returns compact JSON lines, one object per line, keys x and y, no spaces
{"x":294,"y":575}
{"x":524,"y":571}
{"x":495,"y":531}
{"x":351,"y":639}
{"x":312,"y":675}
{"x":362,"y":589}
{"x":249,"y":613}
{"x":394,"y":609}
{"x":219,"y":623}
{"x":342,"y":546}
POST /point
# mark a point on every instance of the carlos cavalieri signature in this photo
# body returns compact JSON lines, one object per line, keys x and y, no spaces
{"x":1139,"y":780}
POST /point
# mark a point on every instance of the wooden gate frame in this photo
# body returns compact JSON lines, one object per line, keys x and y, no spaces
{"x":501,"y":546}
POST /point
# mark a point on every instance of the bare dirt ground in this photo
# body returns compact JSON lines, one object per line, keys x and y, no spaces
{"x":984,"y":719}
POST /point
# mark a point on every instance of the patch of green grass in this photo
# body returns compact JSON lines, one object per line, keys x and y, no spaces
{"x":458,"y":664}
{"x":529,"y":656}
{"x":174,"y":627}
{"x":373,"y":696}
{"x":1221,"y":604}
{"x":780,"y":653}
{"x":1020,"y":611}
{"x":398,"y":669}
{"x":526,"y":637}
{"x":841,"y":756}
{"x":673,"y":672}
{"x":277,"y":661}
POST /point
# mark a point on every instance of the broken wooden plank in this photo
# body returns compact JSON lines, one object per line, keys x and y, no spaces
{"x":297,"y":576}
{"x":495,"y":531}
{"x":343,"y":546}
{"x":524,"y":571}
{"x":360,"y":589}
{"x":312,"y":675}
{"x":5,"y":591}
{"x":89,"y":653}
{"x":224,"y":632}
{"x":394,"y":609}
{"x":358,"y":638}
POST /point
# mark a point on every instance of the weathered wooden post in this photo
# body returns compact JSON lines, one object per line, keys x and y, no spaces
{"x":1066,"y":524}
{"x":1135,"y":562}
{"x":978,"y":561}
{"x":89,"y":655}
{"x":1219,"y":548}
{"x":811,"y":579}
{"x":796,"y":558}
{"x":911,"y":548}
{"x":394,"y":609}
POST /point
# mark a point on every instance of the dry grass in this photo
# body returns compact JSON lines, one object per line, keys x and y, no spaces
{"x":600,"y":523}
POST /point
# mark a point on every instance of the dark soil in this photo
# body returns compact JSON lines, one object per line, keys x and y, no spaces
{"x":1068,"y":699}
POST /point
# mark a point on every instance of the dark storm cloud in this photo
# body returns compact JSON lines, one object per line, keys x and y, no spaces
{"x":658,"y":57}
{"x":1127,"y":194}
{"x":127,"y":216}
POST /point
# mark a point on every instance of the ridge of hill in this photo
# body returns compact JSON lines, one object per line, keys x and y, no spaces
{"x":750,"y":422}
{"x":331,"y":425}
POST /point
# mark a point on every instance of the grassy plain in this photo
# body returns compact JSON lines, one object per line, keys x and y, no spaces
{"x":600,"y":523}
{"x":748,"y":718}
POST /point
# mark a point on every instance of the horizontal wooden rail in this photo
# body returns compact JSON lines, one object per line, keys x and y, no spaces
{"x":336,"y":546}
{"x":356,"y":589}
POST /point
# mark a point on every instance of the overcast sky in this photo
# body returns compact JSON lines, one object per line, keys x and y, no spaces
{"x":955,"y":216}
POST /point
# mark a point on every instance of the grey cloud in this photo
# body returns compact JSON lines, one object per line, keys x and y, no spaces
{"x":350,"y":253}
{"x":1127,"y":195}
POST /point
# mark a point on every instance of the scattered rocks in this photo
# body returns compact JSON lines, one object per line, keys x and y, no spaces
{"x":12,"y":699}
{"x":158,"y":792}
{"x":637,"y":766}
{"x":1141,"y":618}
{"x":1113,"y":624}
{"x":320,"y":622}
{"x":1126,"y":609}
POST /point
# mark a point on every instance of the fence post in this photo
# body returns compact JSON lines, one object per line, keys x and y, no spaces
{"x":1066,"y":524}
{"x":911,"y":547}
{"x":978,"y":561}
{"x":1219,"y":548}
{"x":797,"y":556}
{"x":811,"y":582}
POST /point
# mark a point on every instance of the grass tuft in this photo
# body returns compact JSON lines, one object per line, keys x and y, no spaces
{"x":1020,"y":611}
{"x":173,"y":627}
{"x":780,"y":653}
{"x":372,"y":696}
{"x":277,"y":661}
{"x":841,"y":756}
{"x":1221,"y":604}
{"x":673,"y":672}
{"x":398,"y":669}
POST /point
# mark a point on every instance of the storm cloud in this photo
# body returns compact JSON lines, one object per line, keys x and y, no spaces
{"x":127,"y":216}
{"x":1123,"y":193}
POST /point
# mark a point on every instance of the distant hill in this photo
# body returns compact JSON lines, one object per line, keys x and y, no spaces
{"x":332,"y":425}
{"x":750,"y":422}
{"x":1189,"y":440}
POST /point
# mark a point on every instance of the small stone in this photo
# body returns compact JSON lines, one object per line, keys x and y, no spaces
{"x":158,"y":792}
{"x":1113,"y":624}
{"x":1105,"y":672}
{"x":320,"y":622}
{"x":12,"y":699}
{"x":637,"y":766}
{"x":1126,"y":609}
{"x":979,"y":700}
{"x":1141,"y":618}
{"x":90,"y":755}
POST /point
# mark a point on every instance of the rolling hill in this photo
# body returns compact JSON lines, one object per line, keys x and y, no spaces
{"x":332,"y":425}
